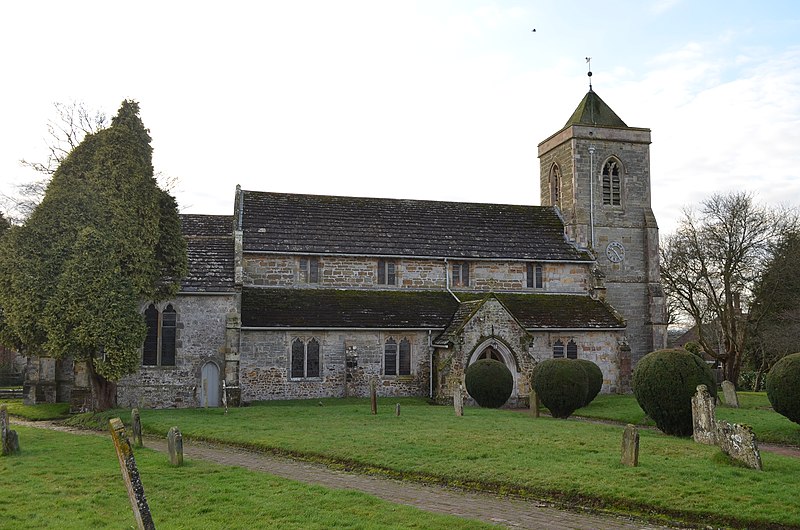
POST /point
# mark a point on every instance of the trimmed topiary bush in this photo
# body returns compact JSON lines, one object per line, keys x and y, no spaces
{"x":595,"y":379}
{"x":489,"y":382}
{"x":783,"y":387}
{"x":664,"y":382}
{"x":561,"y":385}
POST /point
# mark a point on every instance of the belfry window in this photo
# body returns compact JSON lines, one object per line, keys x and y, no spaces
{"x":305,"y":359}
{"x":612,"y":190}
{"x":555,"y":186}
{"x":396,"y":357}
{"x":160,"y":341}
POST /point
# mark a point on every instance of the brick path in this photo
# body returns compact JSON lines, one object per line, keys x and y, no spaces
{"x":510,"y":512}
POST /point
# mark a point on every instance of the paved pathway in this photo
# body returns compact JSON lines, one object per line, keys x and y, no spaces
{"x":511,"y":512}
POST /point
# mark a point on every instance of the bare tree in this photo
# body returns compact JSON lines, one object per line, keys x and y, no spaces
{"x":710,"y":265}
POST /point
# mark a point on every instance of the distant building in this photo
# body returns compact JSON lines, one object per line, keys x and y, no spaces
{"x":307,"y":296}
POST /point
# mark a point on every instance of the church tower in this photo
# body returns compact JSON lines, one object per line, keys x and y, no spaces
{"x":596,"y":171}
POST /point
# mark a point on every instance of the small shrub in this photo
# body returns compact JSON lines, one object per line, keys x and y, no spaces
{"x":594,"y":378}
{"x":489,"y":382}
{"x":561,"y":385}
{"x":664,"y":382}
{"x":783,"y":387}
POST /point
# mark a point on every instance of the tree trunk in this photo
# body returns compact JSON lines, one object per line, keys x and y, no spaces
{"x":104,"y":392}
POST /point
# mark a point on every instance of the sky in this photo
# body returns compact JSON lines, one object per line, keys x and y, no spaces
{"x":436,"y":99}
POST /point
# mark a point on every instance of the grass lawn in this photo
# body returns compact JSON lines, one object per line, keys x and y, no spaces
{"x":500,"y":450}
{"x":67,"y":481}
{"x":45,"y":411}
{"x":755,"y":411}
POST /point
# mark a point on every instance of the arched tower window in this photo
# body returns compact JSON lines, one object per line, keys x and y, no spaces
{"x":555,"y":185}
{"x":611,"y":182}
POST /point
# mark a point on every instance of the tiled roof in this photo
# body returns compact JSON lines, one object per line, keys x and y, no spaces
{"x":341,"y":308}
{"x":593,"y":111}
{"x":209,"y":248}
{"x":318,"y":224}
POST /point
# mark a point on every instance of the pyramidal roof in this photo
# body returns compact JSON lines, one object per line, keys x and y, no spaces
{"x":593,"y":111}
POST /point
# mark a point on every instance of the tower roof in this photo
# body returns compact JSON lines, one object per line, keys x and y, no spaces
{"x":593,"y":111}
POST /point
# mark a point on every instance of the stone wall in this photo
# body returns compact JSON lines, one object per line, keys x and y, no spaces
{"x":201,"y":338}
{"x":362,"y":272}
{"x":265,"y":365}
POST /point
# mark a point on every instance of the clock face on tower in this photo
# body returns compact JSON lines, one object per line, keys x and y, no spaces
{"x":615,"y":252}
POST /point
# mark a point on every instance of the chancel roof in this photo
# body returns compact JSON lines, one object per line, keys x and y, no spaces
{"x":209,"y":249}
{"x":387,"y":309}
{"x":319,"y":224}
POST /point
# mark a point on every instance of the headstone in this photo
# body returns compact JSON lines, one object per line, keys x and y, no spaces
{"x":136,"y":425}
{"x":130,"y":474}
{"x":397,"y":409}
{"x":175,"y":446}
{"x":630,"y":446}
{"x":739,"y":442}
{"x":225,"y":396}
{"x":9,"y":441}
{"x":704,"y":422}
{"x":535,"y":404}
{"x":373,"y":397}
{"x":458,"y":400}
{"x":729,"y":390}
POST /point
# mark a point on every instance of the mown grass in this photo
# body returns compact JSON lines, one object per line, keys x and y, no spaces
{"x":44,"y":411}
{"x":66,"y":481}
{"x":562,"y":460}
{"x":754,"y":410}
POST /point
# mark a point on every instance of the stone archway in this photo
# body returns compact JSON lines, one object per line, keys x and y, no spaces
{"x":497,"y":350}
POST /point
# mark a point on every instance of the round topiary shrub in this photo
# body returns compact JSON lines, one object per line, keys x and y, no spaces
{"x":783,"y":387}
{"x":561,"y":385}
{"x":489,"y":382}
{"x":595,"y":379}
{"x":664,"y":382}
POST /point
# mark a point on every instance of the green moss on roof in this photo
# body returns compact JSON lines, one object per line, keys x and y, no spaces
{"x":594,"y":111}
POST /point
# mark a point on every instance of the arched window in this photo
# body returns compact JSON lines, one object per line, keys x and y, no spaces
{"x":396,"y":360}
{"x":558,"y":350}
{"x":305,"y":360}
{"x":611,"y":183}
{"x":160,"y":341}
{"x":555,"y":186}
{"x":572,"y":350}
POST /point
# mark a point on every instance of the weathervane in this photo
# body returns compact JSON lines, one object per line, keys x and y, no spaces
{"x":589,"y":62}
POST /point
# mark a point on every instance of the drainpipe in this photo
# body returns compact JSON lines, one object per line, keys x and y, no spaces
{"x":447,"y":281}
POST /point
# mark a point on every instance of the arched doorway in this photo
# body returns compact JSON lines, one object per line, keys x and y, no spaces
{"x":209,"y":385}
{"x":497,"y":350}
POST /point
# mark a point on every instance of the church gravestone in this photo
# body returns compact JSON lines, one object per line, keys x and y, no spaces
{"x":9,"y":441}
{"x":704,"y":417}
{"x":731,"y":398}
{"x":534,"y":404}
{"x":739,"y":442}
{"x":225,"y":396}
{"x":397,"y":409}
{"x":630,"y":446}
{"x":458,"y":400}
{"x":130,"y":474}
{"x":175,"y":446}
{"x":136,"y":425}
{"x":373,"y":397}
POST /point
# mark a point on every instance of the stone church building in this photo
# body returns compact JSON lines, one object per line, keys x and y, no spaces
{"x":307,"y":296}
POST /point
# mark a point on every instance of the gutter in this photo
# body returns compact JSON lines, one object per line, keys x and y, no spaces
{"x":415,"y":257}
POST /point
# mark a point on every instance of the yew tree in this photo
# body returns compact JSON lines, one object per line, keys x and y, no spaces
{"x":104,"y":239}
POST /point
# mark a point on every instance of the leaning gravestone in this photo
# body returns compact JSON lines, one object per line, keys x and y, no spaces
{"x":704,"y":417}
{"x":630,"y":446}
{"x":458,"y":400}
{"x":130,"y":474}
{"x":729,"y":390}
{"x":136,"y":423}
{"x":175,"y":446}
{"x":739,"y":442}
{"x":9,"y":441}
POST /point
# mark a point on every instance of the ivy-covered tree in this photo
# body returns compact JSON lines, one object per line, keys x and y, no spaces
{"x":103,"y":239}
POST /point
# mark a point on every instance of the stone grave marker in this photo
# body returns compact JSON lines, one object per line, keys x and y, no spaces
{"x":397,"y":409}
{"x":729,"y":390}
{"x":739,"y":442}
{"x":704,"y":417}
{"x":458,"y":400}
{"x":373,"y":397}
{"x":175,"y":446}
{"x":130,"y":474}
{"x":9,"y":441}
{"x":225,"y":396}
{"x":136,"y":425}
{"x":535,"y":404}
{"x":630,"y":446}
